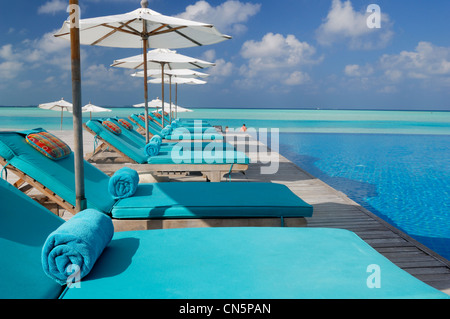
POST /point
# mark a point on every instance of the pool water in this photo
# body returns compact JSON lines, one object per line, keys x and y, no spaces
{"x":404,"y":179}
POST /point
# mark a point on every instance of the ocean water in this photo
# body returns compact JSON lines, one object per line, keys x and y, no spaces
{"x":394,"y":163}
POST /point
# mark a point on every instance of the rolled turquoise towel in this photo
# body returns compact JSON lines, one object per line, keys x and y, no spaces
{"x":77,"y":243}
{"x":165,"y":131}
{"x":152,"y":149}
{"x":157,"y":139}
{"x":123,"y":183}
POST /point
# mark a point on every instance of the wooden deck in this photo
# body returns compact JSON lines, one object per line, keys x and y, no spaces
{"x":334,"y":209}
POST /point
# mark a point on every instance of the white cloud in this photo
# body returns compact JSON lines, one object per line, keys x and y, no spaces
{"x":354,"y":70}
{"x":10,"y":63}
{"x":6,"y":52}
{"x":209,"y":55}
{"x":427,"y":65}
{"x":227,"y":17}
{"x":276,"y":51}
{"x":100,"y":76}
{"x":343,"y":23}
{"x":43,"y":52}
{"x":221,"y":70}
{"x":277,"y":59}
{"x":48,"y":43}
{"x":426,"y":61}
{"x":10,"y":69}
{"x":53,"y":6}
{"x":297,"y":78}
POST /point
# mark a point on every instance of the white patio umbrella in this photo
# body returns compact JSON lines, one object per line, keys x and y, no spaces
{"x":141,"y":28}
{"x":181,"y":73}
{"x":159,"y":59}
{"x":156,"y":103}
{"x":93,"y":109}
{"x":144,"y":28}
{"x":61,"y":105}
{"x":182,"y":109}
{"x":177,"y":80}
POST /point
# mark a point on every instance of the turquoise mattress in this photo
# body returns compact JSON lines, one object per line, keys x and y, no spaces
{"x":159,"y":200}
{"x":184,"y":152}
{"x":207,"y":263}
{"x":244,"y":263}
{"x":211,"y":200}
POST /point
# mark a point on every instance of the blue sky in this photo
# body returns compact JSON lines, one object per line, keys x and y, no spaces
{"x":285,"y":53}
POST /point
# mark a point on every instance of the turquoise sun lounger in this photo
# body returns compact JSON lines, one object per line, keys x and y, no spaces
{"x":152,"y":203}
{"x":193,"y":263}
{"x":213,"y":159}
{"x":182,"y":133}
{"x":182,"y":123}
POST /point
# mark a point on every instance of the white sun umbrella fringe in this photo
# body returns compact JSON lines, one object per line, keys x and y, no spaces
{"x":158,"y":59}
{"x":142,"y":28}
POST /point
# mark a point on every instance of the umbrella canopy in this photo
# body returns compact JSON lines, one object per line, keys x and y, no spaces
{"x":60,"y":105}
{"x":93,"y":109}
{"x":143,"y":28}
{"x":179,"y":73}
{"x":187,"y":73}
{"x":170,"y":58}
{"x":127,"y":31}
{"x":156,"y":103}
{"x":159,"y":59}
{"x":182,"y":109}
{"x":177,"y":80}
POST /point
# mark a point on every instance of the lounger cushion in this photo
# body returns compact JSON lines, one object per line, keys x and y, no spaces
{"x":211,"y":200}
{"x":48,"y":145}
{"x":57,"y":176}
{"x":226,"y":263}
{"x":112,"y":127}
{"x":24,"y":227}
{"x":134,"y":147}
{"x":179,"y":134}
{"x":125,"y":124}
{"x":127,"y":144}
{"x":244,"y":263}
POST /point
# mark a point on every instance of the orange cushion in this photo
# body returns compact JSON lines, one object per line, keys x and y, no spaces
{"x":49,"y":145}
{"x":112,"y":127}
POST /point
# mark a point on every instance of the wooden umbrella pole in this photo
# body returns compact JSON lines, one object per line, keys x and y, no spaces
{"x":162,"y":92}
{"x":80,"y":199}
{"x":170,"y":92}
{"x":176,"y":100}
{"x":145,"y":38}
{"x":144,"y":4}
